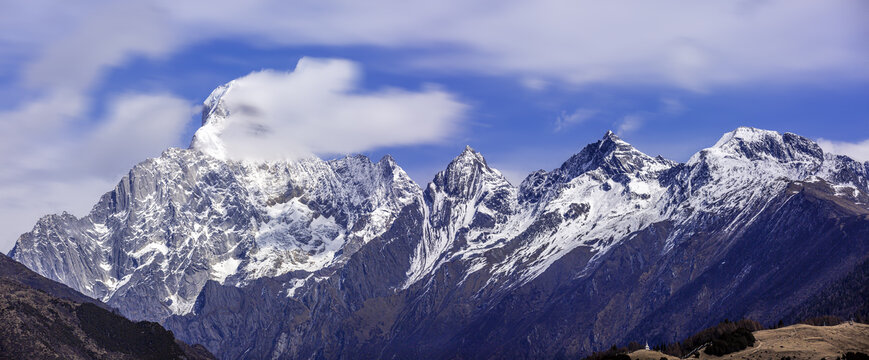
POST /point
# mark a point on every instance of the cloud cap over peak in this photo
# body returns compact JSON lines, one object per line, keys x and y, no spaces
{"x":319,"y":108}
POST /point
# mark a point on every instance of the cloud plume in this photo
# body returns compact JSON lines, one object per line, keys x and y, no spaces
{"x":319,"y":109}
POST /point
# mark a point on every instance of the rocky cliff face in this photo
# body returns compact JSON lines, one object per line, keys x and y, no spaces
{"x":184,"y":218}
{"x":612,"y":243}
{"x":350,"y":258}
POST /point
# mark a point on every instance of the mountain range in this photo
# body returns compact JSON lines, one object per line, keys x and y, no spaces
{"x":350,"y":258}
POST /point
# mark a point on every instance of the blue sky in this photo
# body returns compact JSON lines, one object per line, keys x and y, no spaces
{"x":87,"y":91}
{"x":516,"y":127}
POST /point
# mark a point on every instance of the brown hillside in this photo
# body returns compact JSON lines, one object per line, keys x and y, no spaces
{"x":797,"y":341}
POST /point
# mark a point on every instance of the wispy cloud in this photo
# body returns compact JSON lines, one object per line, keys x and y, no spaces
{"x":53,"y":160}
{"x":672,"y":106}
{"x":565,"y":119}
{"x":668,"y":107}
{"x":694,"y":45}
{"x":534,"y":83}
{"x":629,"y":123}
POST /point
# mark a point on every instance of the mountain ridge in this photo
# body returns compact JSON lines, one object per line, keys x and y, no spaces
{"x":330,"y":245}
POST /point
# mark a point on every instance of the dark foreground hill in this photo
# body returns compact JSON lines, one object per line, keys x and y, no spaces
{"x":42,"y":319}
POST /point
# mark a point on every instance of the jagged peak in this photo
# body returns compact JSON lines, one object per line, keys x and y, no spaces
{"x":611,"y":136}
{"x":214,"y":113}
{"x":610,"y":143}
{"x":392,"y":169}
{"x":612,"y":154}
{"x":468,"y":157}
{"x":213,"y":107}
{"x":348,"y":159}
{"x":470,"y":153}
{"x":360,"y":167}
{"x":758,"y":144}
{"x":746,"y":134}
{"x":468,"y":167}
{"x":387,"y":159}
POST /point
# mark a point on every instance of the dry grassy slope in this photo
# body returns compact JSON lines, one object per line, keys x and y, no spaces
{"x":650,"y":355}
{"x":797,"y":341}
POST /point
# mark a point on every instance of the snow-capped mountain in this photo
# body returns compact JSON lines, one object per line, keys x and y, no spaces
{"x":350,"y":258}
{"x":177,"y":221}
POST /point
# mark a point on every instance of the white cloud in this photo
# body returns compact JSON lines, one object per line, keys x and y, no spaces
{"x":688,"y":44}
{"x":534,"y":83}
{"x":629,"y":123}
{"x":632,"y":122}
{"x":53,"y":160}
{"x":672,"y":106}
{"x":137,"y":126}
{"x":565,"y":120}
{"x":858,"y":151}
{"x":106,"y":37}
{"x":319,"y":108}
{"x":39,"y":121}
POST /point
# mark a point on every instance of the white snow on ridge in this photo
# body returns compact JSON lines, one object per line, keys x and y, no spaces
{"x":743,"y":170}
{"x":152,"y":247}
{"x":221,"y":270}
{"x":207,"y":137}
{"x":190,"y":215}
